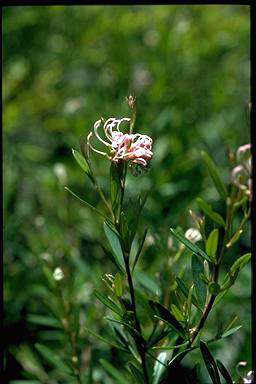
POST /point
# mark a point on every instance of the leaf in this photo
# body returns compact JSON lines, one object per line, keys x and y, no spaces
{"x":113,"y":372}
{"x":52,"y":358}
{"x":231,"y":331}
{"x":184,"y":289}
{"x":159,"y":368}
{"x":106,"y":340}
{"x":44,"y":320}
{"x":225,"y":373}
{"x":113,"y":259}
{"x":200,"y":287}
{"x":115,"y":186}
{"x":231,"y":323}
{"x":212,"y":244}
{"x":210,"y":363}
{"x":118,"y":284}
{"x":194,"y":248}
{"x":136,"y":373}
{"x":166,"y":315}
{"x":147,"y":281}
{"x":81,"y":161}
{"x":170,"y":347}
{"x":177,"y":313}
{"x":207,"y":209}
{"x":124,"y":231}
{"x":85,"y":203}
{"x":235,"y":238}
{"x":114,"y":243}
{"x":241,"y":262}
{"x":139,"y":249}
{"x":214,"y":173}
{"x":108,"y":303}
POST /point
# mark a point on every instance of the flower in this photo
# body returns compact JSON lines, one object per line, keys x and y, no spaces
{"x":132,"y":148}
{"x":241,"y":174}
{"x":193,"y":235}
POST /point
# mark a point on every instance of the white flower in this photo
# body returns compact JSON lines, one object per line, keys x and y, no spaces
{"x":193,"y":235}
{"x":133,"y":148}
{"x":58,"y":274}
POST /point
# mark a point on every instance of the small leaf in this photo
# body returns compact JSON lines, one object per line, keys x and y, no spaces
{"x":106,"y":340}
{"x":184,"y":289}
{"x":147,"y":281}
{"x":235,"y":238}
{"x":85,"y":203}
{"x":207,"y":209}
{"x":166,"y":315}
{"x":225,"y":373}
{"x":114,"y":243}
{"x":231,"y":323}
{"x":214,"y":288}
{"x":113,"y":372}
{"x":115,"y":186}
{"x":194,"y":248}
{"x":124,"y":231}
{"x":241,"y":262}
{"x":114,"y":260}
{"x":200,"y":287}
{"x":177,"y":313}
{"x":214,"y":173}
{"x":81,"y":161}
{"x":210,"y":363}
{"x":231,"y":331}
{"x":159,"y":368}
{"x":52,"y":358}
{"x":212,"y":244}
{"x":118,"y":284}
{"x":139,"y":249}
{"x":108,"y":303}
{"x":44,"y":320}
{"x":170,"y":347}
{"x":189,"y":302}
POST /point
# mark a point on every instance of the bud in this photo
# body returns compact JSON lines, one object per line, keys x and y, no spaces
{"x":131,"y":100}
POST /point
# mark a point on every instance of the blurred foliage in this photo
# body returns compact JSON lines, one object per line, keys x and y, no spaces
{"x":63,"y":68}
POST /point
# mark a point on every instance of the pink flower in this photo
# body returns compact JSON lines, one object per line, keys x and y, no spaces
{"x":133,"y":148}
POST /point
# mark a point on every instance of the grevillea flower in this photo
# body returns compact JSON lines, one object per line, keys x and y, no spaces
{"x":132,"y":148}
{"x":241,"y":174}
{"x":193,"y":235}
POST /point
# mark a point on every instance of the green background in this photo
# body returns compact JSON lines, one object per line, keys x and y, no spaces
{"x":64,"y":67}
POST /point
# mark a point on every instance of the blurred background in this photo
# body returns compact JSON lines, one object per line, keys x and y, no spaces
{"x":64,"y":67}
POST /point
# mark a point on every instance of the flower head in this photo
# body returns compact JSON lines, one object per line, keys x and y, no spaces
{"x":132,"y":148}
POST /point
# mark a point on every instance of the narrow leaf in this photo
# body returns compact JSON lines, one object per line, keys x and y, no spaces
{"x":113,"y":259}
{"x":170,"y":347}
{"x":139,"y":249}
{"x":81,"y":161}
{"x":177,"y":313}
{"x":231,"y":331}
{"x":212,"y":244}
{"x":194,"y":248}
{"x":52,"y":358}
{"x":44,"y":320}
{"x":159,"y":368}
{"x":114,"y":243}
{"x":108,"y":303}
{"x":200,"y":287}
{"x":118,"y":284}
{"x":184,"y":289}
{"x":113,"y":372}
{"x":207,"y":209}
{"x":166,"y":315}
{"x":225,"y":373}
{"x":115,"y":186}
{"x":241,"y":262}
{"x":210,"y":363}
{"x":85,"y":203}
{"x":214,"y":173}
{"x":136,"y":373}
{"x":106,"y":340}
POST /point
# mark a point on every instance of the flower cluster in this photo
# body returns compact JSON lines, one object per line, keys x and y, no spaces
{"x":133,"y":148}
{"x":242,"y":173}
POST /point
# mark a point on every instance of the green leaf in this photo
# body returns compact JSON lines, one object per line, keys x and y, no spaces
{"x":241,"y":262}
{"x":159,"y":368}
{"x":214,"y":288}
{"x":225,"y":373}
{"x":147,"y":281}
{"x":166,"y":315}
{"x":44,"y":320}
{"x":139,"y":249}
{"x":114,"y":260}
{"x":231,"y":331}
{"x":231,"y":323}
{"x":177,"y":313}
{"x":235,"y":238}
{"x":52,"y":358}
{"x":87,"y":204}
{"x":106,"y":340}
{"x":170,"y":347}
{"x":137,"y":374}
{"x":108,"y":303}
{"x":210,"y":363}
{"x":184,"y":289}
{"x":113,"y":372}
{"x":118,"y":284}
{"x":214,"y":173}
{"x":114,"y":243}
{"x":200,"y":287}
{"x":212,"y":244}
{"x":207,"y":209}
{"x":81,"y":161}
{"x":115,"y":186}
{"x":194,"y":248}
{"x":124,"y":231}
